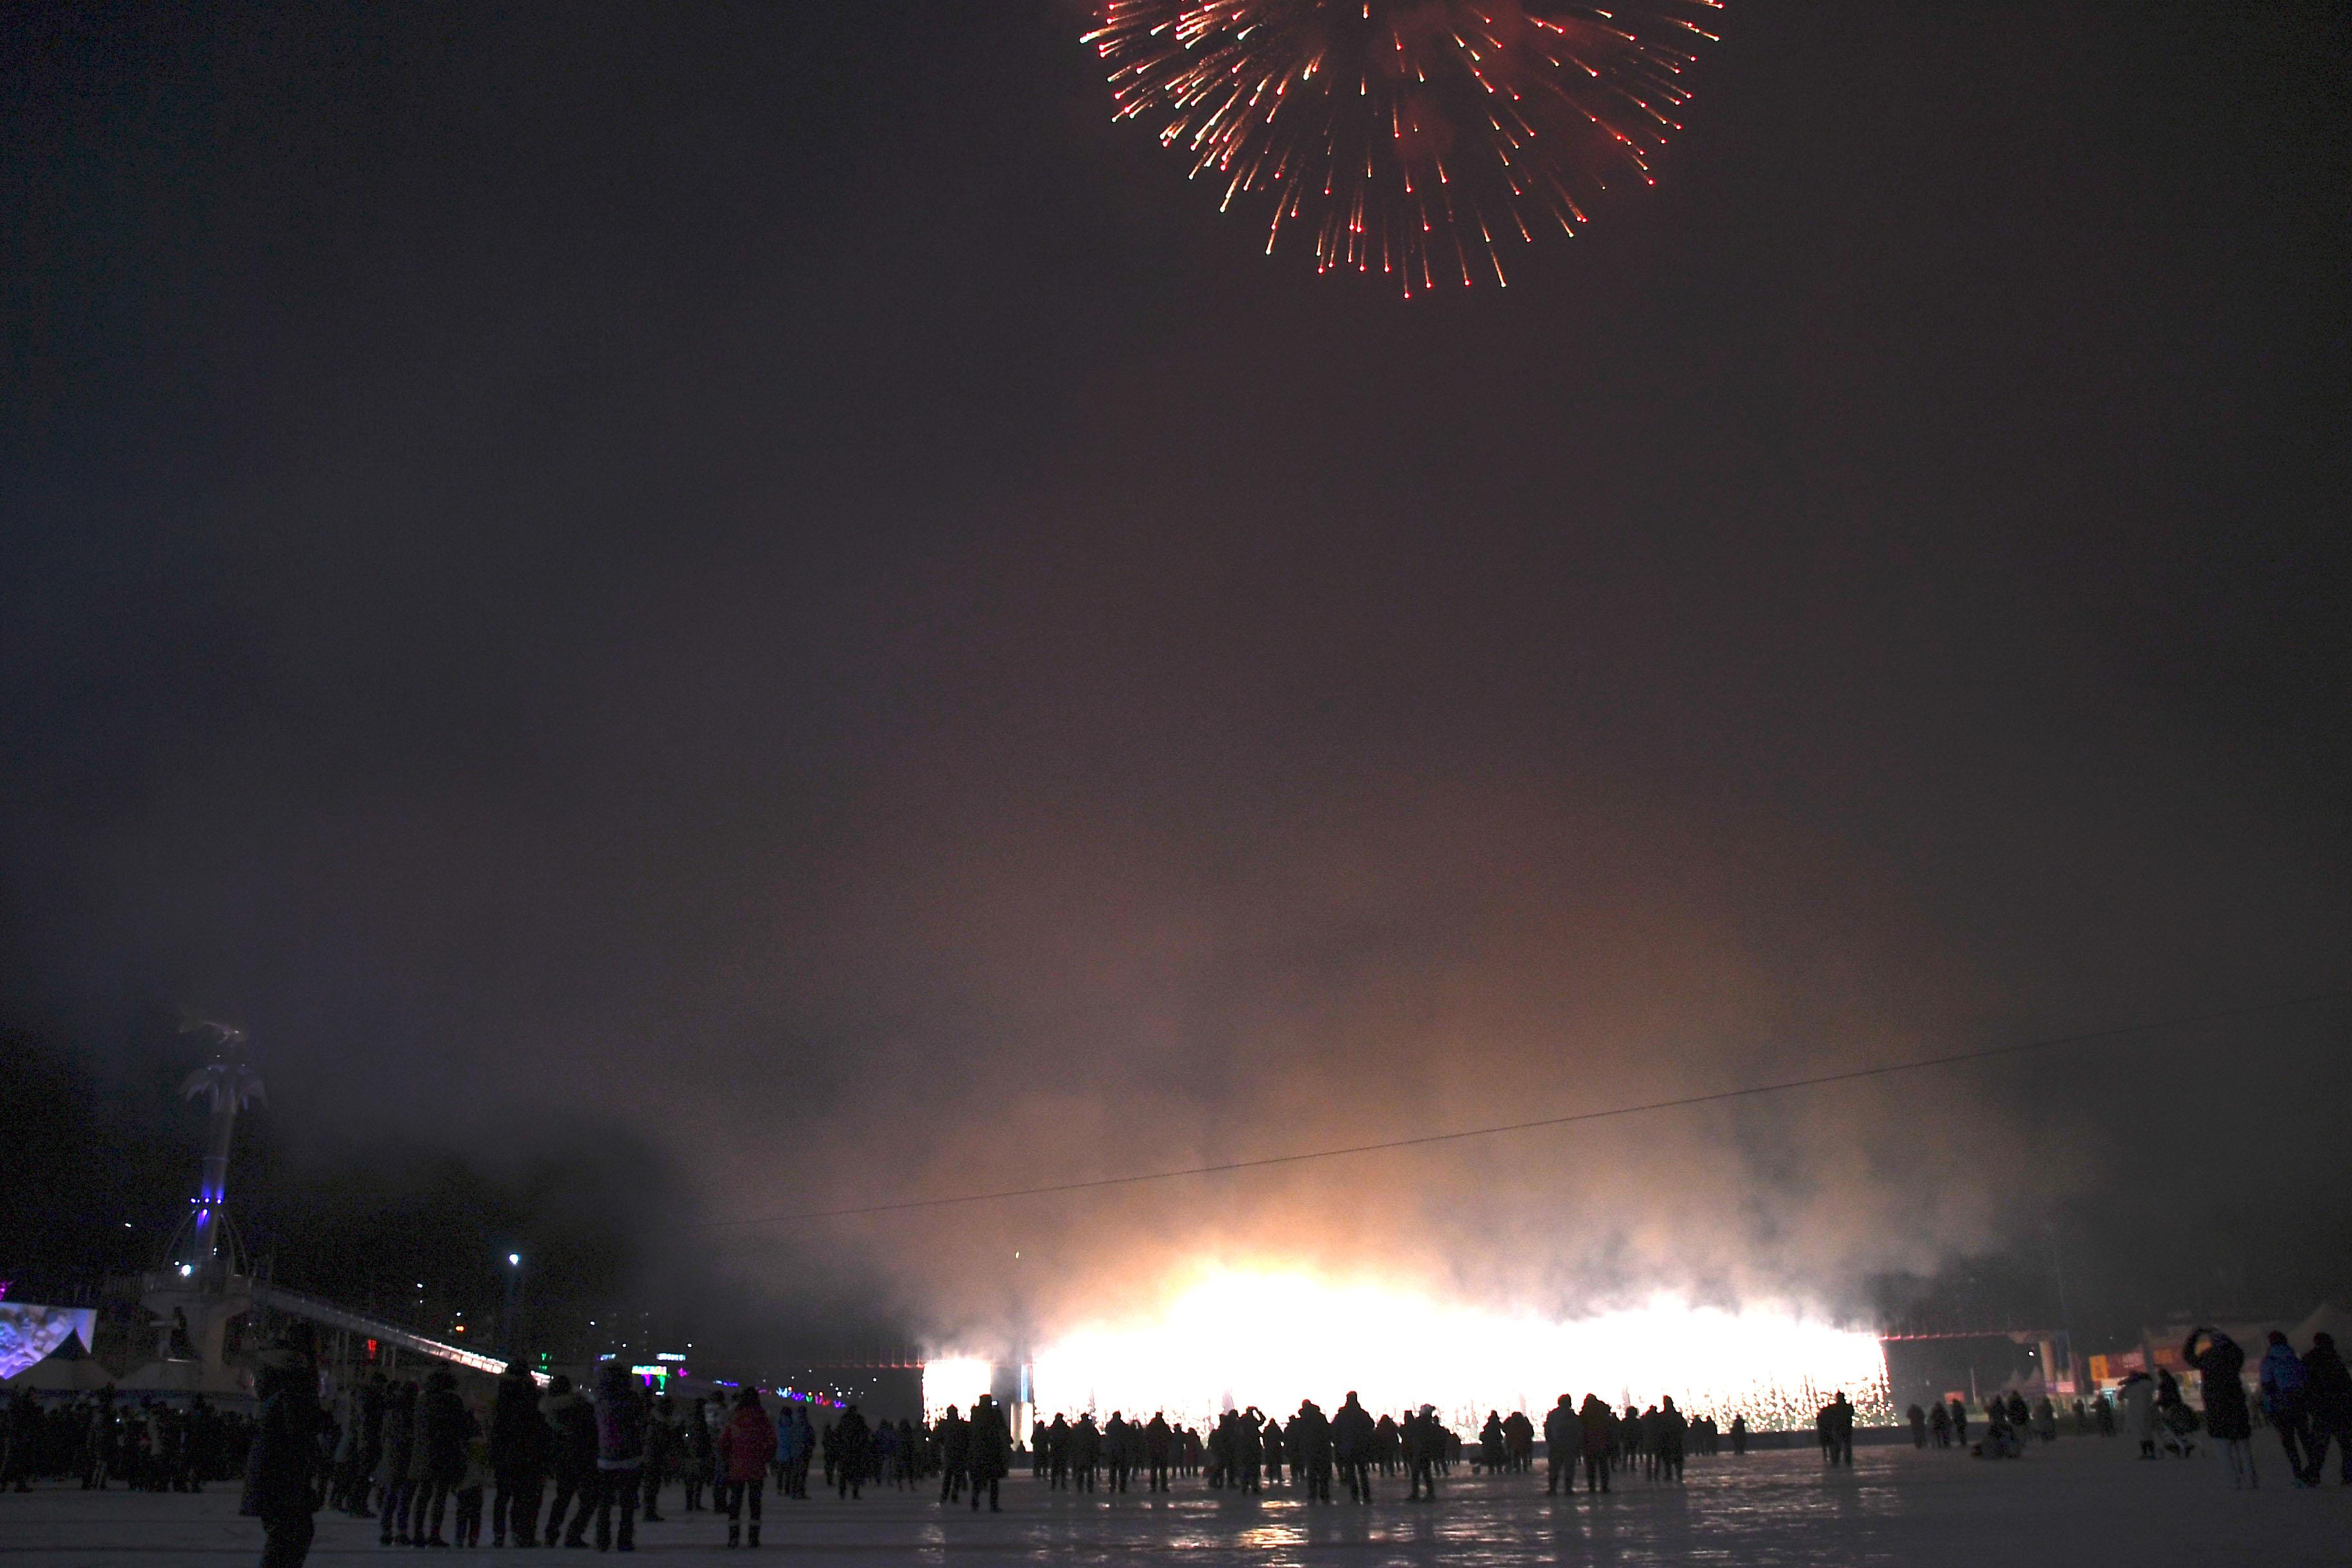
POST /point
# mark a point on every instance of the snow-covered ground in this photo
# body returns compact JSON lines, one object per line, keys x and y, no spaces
{"x":2084,"y":1501}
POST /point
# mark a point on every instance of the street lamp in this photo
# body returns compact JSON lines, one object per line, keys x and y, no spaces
{"x":510,"y":1320}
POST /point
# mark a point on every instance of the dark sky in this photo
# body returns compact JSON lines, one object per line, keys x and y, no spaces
{"x":764,"y":574}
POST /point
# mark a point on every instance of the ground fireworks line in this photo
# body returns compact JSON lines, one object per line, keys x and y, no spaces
{"x":1849,"y":1075}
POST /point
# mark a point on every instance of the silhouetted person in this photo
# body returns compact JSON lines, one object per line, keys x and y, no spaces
{"x":2227,"y":1420}
{"x":572,"y":1421}
{"x":285,"y":1449}
{"x":1673,"y":1430}
{"x":446,"y":1424}
{"x":2179,"y":1422}
{"x":1918,"y":1418}
{"x":1599,"y":1442}
{"x":954,"y":1437}
{"x":1352,"y":1443}
{"x":2327,"y":1390}
{"x":1838,"y":1429}
{"x":992,"y":1450}
{"x":391,"y":1470}
{"x":370,"y":1458}
{"x":1490,"y":1443}
{"x":852,"y":1453}
{"x":1423,"y":1440}
{"x":1159,"y":1451}
{"x":1086,"y":1453}
{"x":1563,"y":1445}
{"x":665,"y":1456}
{"x":1518,"y":1442}
{"x":1114,"y":1445}
{"x":520,"y":1444}
{"x":1310,"y":1450}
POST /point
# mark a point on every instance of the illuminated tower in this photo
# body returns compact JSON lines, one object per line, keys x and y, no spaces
{"x":231,"y":1085}
{"x":202,"y":1283}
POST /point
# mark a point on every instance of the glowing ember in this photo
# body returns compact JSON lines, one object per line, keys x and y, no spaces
{"x":1270,"y":1340}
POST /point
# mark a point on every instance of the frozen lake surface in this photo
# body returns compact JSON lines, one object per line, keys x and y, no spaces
{"x":2081,"y":1501}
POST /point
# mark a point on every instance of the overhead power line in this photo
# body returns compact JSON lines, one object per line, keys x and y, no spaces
{"x":1850,"y":1075}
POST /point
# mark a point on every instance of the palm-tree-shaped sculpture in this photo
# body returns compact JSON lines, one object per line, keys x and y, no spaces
{"x":232,"y":1084}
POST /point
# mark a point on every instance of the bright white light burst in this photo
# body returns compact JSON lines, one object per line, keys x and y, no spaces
{"x":1270,"y":1338}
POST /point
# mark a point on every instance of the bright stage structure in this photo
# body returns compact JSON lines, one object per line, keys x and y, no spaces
{"x":1243,"y":1338}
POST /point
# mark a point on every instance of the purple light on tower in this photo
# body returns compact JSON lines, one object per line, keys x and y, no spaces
{"x":232,"y":1086}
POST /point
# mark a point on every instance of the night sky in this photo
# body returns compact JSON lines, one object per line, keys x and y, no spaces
{"x":761,"y":584}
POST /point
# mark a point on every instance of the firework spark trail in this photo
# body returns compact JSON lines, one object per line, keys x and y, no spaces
{"x":1392,"y":129}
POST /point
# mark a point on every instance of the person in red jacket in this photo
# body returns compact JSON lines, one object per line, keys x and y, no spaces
{"x":747,"y":1445}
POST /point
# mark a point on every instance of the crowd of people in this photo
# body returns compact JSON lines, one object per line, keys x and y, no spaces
{"x":102,"y":1439}
{"x":1248,"y":1450}
{"x":2306,"y":1398}
{"x":559,"y":1465}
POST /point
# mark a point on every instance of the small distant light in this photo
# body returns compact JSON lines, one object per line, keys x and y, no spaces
{"x":514,"y":1259}
{"x":186,"y":1269}
{"x":126,"y":1224}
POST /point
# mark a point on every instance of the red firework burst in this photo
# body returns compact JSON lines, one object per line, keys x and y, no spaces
{"x":1417,"y":136}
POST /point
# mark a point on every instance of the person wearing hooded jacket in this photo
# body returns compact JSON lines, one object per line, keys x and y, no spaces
{"x":796,"y":1442}
{"x":619,"y":1455}
{"x":2227,"y":1420}
{"x":285,"y":1449}
{"x":571,"y":1453}
{"x":2282,"y":1381}
{"x":519,"y":1443}
{"x":746,"y":1446}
